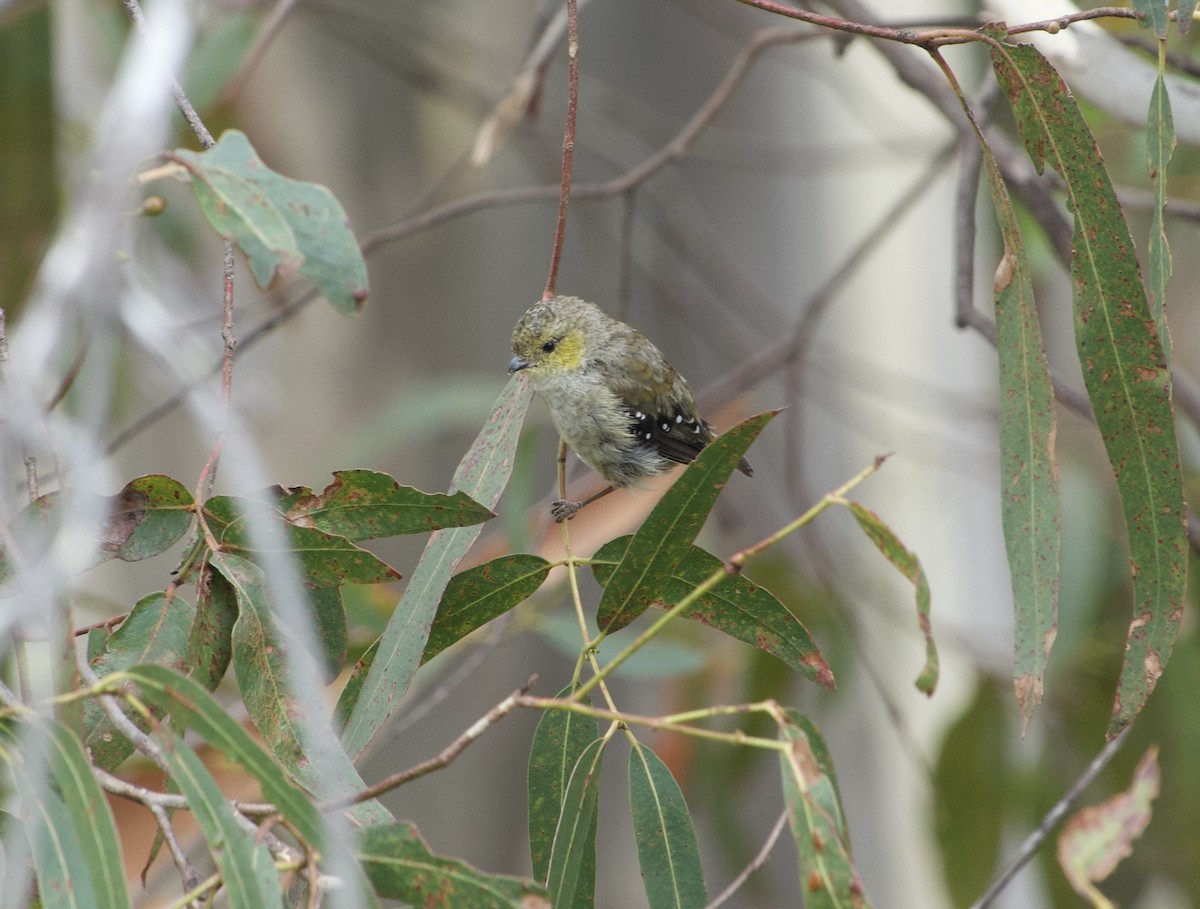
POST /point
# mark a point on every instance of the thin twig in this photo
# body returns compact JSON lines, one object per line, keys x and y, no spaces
{"x":568,"y":147}
{"x":438,"y":761}
{"x":1034,"y":841}
{"x":757,"y":862}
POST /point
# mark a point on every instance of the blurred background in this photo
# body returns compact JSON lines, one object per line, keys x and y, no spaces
{"x":800,"y":253}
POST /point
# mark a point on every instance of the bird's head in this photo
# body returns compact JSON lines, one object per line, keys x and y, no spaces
{"x":556,"y":336}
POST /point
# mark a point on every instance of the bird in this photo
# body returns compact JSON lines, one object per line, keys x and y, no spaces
{"x":613,"y":397}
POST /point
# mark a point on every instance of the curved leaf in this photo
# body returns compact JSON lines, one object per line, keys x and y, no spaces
{"x":574,"y":848}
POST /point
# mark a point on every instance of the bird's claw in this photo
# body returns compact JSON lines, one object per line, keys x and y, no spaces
{"x":562,"y":510}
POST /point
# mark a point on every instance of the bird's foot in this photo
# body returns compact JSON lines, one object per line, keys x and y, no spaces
{"x":562,"y":510}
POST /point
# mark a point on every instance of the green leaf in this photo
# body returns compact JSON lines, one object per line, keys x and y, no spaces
{"x":738,"y":607}
{"x":1160,"y":148}
{"x":260,"y":665}
{"x":210,"y":643}
{"x":401,"y":867}
{"x":252,"y":528}
{"x":281,"y":225}
{"x":559,"y":741}
{"x":1155,"y":12}
{"x":1185,"y":10}
{"x":909,"y":566}
{"x":476,"y":596}
{"x":247,"y":871}
{"x":329,"y":626}
{"x":666,"y":843}
{"x":365,"y":505}
{"x":54,"y":844}
{"x":145,"y":518}
{"x":155,"y":631}
{"x":828,"y":878}
{"x":192,"y":707}
{"x":1095,"y":839}
{"x":1031,"y":506}
{"x":481,"y":474}
{"x":668,"y":531}
{"x":1124,"y":366}
{"x":574,"y":848}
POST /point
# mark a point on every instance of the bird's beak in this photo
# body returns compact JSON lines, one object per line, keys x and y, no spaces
{"x":516,"y":364}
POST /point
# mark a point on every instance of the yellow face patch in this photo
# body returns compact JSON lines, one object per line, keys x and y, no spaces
{"x":567,"y":353}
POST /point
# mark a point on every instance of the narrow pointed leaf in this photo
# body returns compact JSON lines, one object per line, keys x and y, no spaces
{"x":666,"y":842}
{"x":366,"y":505}
{"x":55,"y":849}
{"x":401,"y":867}
{"x":260,"y":666}
{"x":1095,"y":839}
{"x":476,"y":596}
{"x":559,"y":741}
{"x":210,"y":642}
{"x":1124,"y":366}
{"x":909,"y":566}
{"x":281,"y":225}
{"x":247,"y":871}
{"x":1031,"y":506}
{"x":665,"y":536}
{"x":828,"y":877}
{"x":738,"y":607}
{"x":482,"y":474}
{"x":575,"y":837}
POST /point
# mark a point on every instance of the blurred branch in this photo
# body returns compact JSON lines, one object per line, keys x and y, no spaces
{"x":757,"y":862}
{"x":568,"y":146}
{"x":1034,"y":841}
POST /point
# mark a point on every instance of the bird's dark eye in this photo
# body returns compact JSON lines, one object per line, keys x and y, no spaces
{"x":549,"y":346}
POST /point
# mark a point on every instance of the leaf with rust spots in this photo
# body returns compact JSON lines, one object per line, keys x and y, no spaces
{"x":1096,"y":838}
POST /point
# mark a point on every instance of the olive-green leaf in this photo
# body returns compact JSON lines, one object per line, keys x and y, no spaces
{"x":575,"y":837}
{"x":482,"y":474}
{"x":210,"y":643}
{"x":662,"y":828}
{"x":247,"y":871}
{"x":281,"y":225}
{"x":1124,"y":366}
{"x":367,"y":505}
{"x":738,"y":607}
{"x":476,"y":596}
{"x":1155,"y":12}
{"x":400,"y":866}
{"x":1160,"y":148}
{"x":1030,"y":501}
{"x":252,"y":528}
{"x":560,"y":739}
{"x":156,"y":631}
{"x":909,"y":566}
{"x":668,"y":531}
{"x":828,"y":877}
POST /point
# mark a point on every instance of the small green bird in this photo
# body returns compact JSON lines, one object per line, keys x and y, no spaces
{"x":613,"y":396}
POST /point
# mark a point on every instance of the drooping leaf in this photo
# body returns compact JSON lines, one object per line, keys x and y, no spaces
{"x":476,"y":596}
{"x":481,"y":474}
{"x":1095,"y":839}
{"x":281,"y":225}
{"x":210,"y":643}
{"x":1031,"y":506}
{"x":1185,"y":11}
{"x":253,"y":529}
{"x":1155,"y":12}
{"x":366,"y":505}
{"x":909,"y":566}
{"x":264,"y":679}
{"x":828,"y":877}
{"x":155,"y":631}
{"x":401,"y":867}
{"x":738,"y":607}
{"x":1124,"y":366}
{"x":662,"y":828}
{"x":575,"y":837}
{"x":558,"y":743}
{"x":665,"y":536}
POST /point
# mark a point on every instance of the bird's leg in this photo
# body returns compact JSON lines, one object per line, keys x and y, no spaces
{"x":564,"y":510}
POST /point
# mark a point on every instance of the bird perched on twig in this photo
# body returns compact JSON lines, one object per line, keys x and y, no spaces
{"x":613,"y":396}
